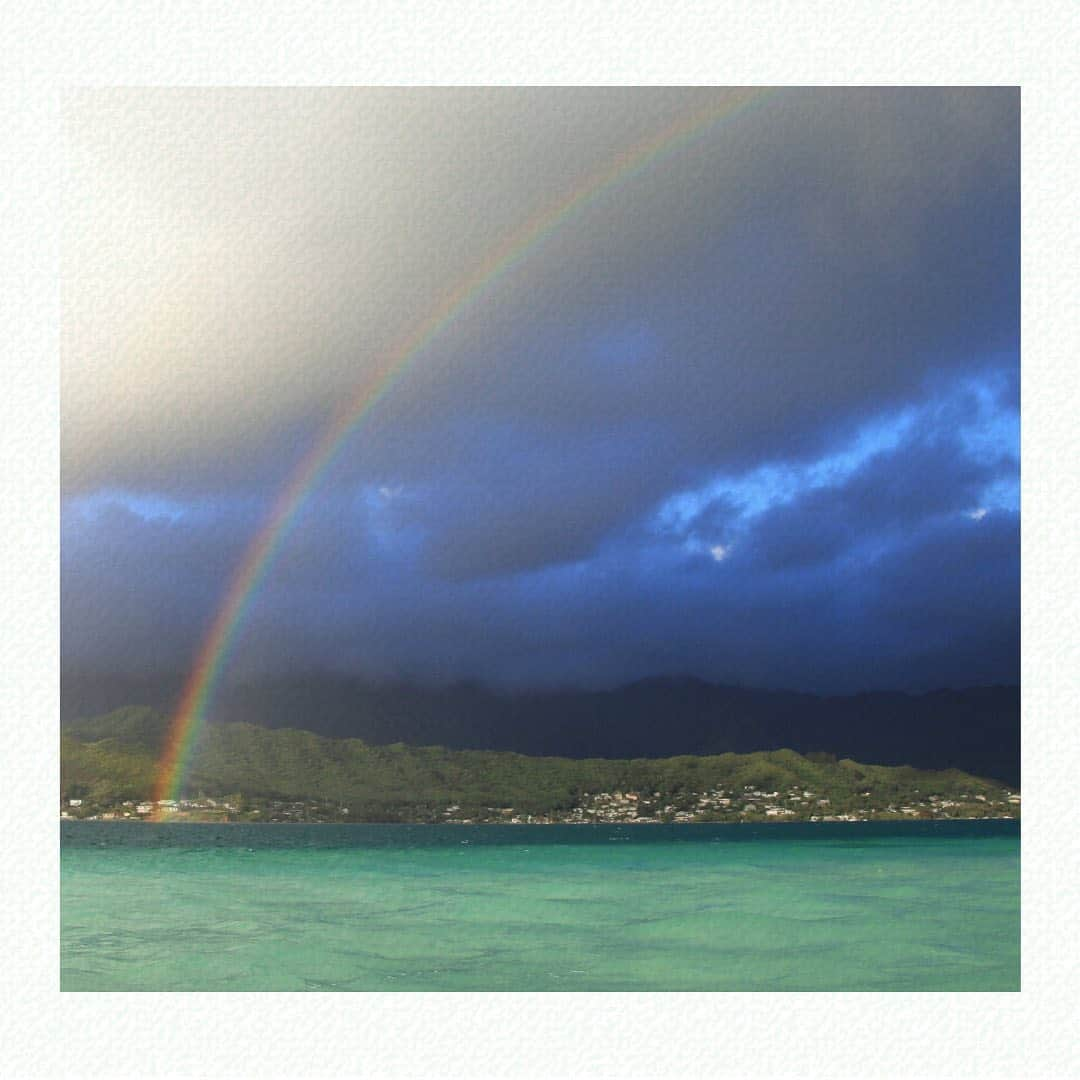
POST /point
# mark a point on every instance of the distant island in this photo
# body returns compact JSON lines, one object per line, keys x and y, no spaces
{"x":244,"y":772}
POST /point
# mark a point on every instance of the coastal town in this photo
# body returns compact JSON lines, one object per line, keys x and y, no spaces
{"x":749,"y":804}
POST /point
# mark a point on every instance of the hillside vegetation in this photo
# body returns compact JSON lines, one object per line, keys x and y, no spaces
{"x":111,"y":760}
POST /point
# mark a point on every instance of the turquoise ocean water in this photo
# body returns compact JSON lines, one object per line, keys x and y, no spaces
{"x":848,"y":906}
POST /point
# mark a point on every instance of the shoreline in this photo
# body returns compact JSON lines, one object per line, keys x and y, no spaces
{"x":543,"y":824}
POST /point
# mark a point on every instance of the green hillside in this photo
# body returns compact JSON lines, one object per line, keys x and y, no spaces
{"x":286,"y":774}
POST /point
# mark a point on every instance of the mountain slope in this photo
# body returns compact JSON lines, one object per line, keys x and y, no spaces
{"x":975,"y":729}
{"x":111,"y":758}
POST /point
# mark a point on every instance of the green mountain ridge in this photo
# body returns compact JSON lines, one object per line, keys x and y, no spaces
{"x":112,"y":760}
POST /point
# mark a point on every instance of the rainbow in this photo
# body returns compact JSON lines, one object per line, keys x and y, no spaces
{"x":211,"y":660}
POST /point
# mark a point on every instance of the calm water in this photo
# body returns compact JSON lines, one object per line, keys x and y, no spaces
{"x":874,"y":906}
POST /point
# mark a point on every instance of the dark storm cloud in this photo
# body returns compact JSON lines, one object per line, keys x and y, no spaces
{"x":759,"y":299}
{"x":761,"y":329}
{"x":919,"y":588}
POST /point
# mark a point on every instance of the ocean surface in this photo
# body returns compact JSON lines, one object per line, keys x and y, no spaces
{"x":846,"y":906}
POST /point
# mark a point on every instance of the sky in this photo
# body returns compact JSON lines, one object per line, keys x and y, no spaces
{"x":750,"y":413}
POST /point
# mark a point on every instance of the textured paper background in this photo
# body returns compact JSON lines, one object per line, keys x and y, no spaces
{"x":831,"y":1035}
